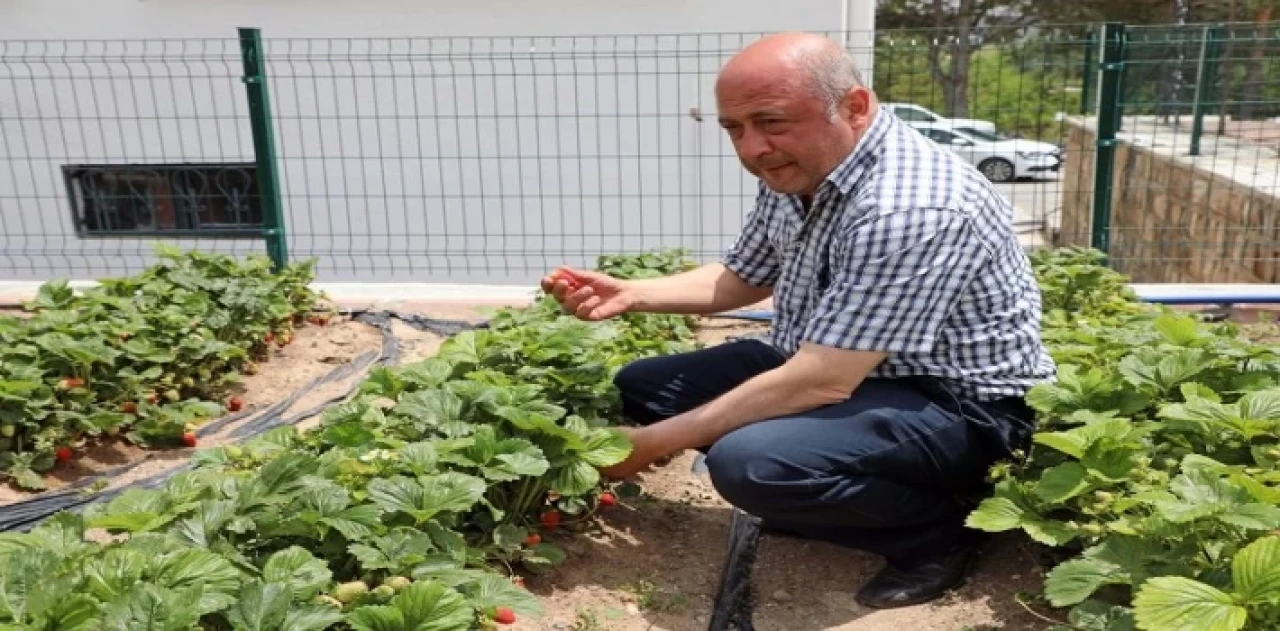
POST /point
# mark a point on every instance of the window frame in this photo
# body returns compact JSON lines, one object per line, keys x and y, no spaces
{"x":80,"y":206}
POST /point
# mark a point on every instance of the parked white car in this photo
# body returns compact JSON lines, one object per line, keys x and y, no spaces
{"x":913,"y":114}
{"x":1000,"y":159}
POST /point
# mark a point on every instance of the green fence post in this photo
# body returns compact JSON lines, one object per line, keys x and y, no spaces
{"x":1108,"y":124}
{"x":1091,"y":42}
{"x":264,"y":144}
{"x":1210,"y":57}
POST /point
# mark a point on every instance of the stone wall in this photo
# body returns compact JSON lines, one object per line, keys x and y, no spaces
{"x":1177,"y":219}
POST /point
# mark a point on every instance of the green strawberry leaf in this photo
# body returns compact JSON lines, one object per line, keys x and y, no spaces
{"x":1071,"y":582}
{"x":1175,"y":603}
{"x":260,"y":607}
{"x":1062,"y":482}
{"x":301,"y":571}
{"x":1255,"y":571}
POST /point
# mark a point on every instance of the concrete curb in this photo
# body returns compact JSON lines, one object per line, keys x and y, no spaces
{"x":13,"y":292}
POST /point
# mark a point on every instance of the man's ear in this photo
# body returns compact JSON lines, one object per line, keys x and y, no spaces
{"x":855,"y":107}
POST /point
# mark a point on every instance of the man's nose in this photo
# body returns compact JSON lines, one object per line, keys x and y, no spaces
{"x":754,"y":144}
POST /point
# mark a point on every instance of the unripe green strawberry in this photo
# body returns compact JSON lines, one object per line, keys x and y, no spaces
{"x":397,"y":582}
{"x":383,"y":593}
{"x":348,"y":592}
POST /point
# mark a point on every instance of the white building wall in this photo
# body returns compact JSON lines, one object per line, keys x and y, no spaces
{"x":438,"y":141}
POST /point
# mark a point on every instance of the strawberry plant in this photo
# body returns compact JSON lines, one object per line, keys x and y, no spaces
{"x":415,"y":505}
{"x":144,"y":356}
{"x":1154,"y":467}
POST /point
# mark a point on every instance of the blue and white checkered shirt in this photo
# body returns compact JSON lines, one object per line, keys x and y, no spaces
{"x":908,"y":250}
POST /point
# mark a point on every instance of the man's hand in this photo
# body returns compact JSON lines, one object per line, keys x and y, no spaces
{"x":645,"y":450}
{"x":815,"y":377}
{"x":589,"y":295}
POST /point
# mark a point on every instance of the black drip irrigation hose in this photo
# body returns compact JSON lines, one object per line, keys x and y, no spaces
{"x":735,"y":600}
{"x":26,"y":514}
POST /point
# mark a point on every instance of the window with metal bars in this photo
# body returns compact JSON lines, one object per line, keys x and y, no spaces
{"x":165,"y":199}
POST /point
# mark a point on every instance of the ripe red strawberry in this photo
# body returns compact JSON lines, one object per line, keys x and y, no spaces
{"x":153,"y":398}
{"x":129,"y":407}
{"x":63,"y":454}
{"x":504,"y":615}
{"x":608,"y":499}
{"x":532,"y":540}
{"x":189,"y":439}
{"x":550,"y":519}
{"x":234,"y":404}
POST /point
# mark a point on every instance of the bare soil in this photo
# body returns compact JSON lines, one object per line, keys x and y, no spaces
{"x":655,"y":564}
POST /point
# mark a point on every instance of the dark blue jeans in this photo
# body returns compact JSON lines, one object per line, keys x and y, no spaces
{"x":893,"y":470}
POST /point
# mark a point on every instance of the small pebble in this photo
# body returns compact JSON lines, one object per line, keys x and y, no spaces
{"x":633,"y":609}
{"x":782,"y":596}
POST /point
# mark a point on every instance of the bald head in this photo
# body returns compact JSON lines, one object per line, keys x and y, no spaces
{"x":794,"y":106}
{"x":806,"y":61}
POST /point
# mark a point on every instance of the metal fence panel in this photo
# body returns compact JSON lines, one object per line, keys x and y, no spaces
{"x":72,"y":112}
{"x":1194,"y":189}
{"x":464,"y":159}
{"x":491,"y":159}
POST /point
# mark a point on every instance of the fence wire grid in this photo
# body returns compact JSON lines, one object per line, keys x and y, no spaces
{"x":491,"y":159}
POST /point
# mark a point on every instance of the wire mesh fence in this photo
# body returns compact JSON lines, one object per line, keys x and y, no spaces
{"x":108,"y":144}
{"x":1194,"y":188}
{"x":491,"y":159}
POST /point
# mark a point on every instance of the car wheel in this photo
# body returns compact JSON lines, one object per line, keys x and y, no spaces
{"x":997,"y":169}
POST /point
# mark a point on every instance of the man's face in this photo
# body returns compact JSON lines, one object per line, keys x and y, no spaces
{"x":784,"y":134}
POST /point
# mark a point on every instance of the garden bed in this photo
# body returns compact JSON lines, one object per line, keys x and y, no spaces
{"x":457,"y":485}
{"x":314,"y":352}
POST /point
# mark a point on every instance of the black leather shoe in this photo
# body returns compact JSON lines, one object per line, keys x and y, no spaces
{"x":897,"y":586}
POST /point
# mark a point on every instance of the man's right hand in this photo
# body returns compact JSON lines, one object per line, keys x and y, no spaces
{"x":589,"y":295}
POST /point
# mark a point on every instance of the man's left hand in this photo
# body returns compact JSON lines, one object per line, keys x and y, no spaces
{"x":645,"y":450}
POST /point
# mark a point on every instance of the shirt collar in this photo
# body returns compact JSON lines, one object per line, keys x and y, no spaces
{"x":864,"y":154}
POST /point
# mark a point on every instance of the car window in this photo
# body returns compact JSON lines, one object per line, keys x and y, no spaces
{"x":940,"y":136}
{"x":913,"y":115}
{"x":980,"y":135}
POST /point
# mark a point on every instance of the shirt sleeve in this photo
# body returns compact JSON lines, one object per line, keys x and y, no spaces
{"x":894,"y":281}
{"x":752,"y":255}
